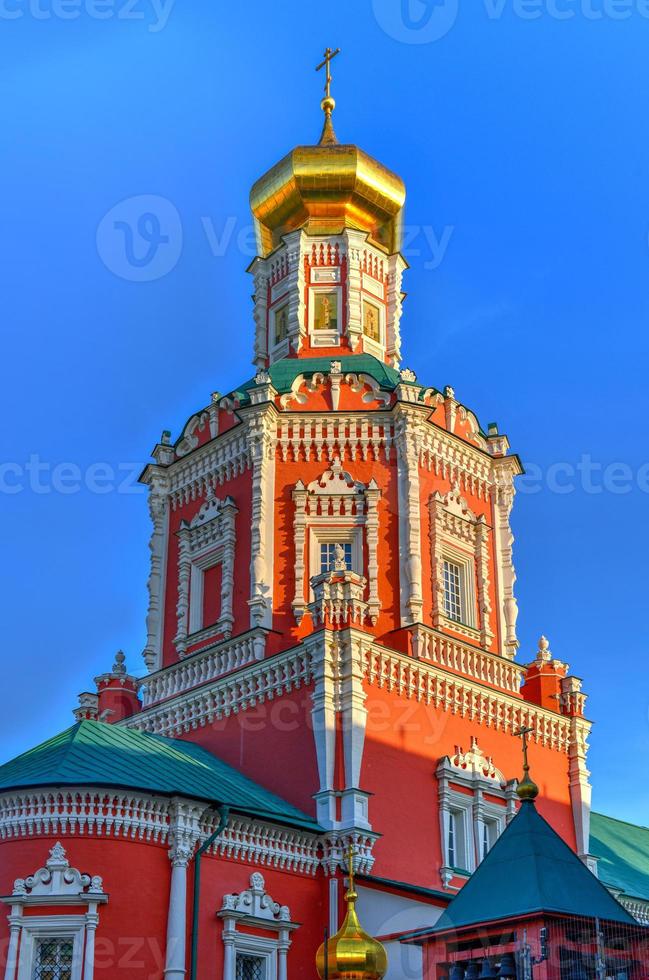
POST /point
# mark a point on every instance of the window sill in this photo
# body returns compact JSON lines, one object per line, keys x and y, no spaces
{"x":462,"y":629}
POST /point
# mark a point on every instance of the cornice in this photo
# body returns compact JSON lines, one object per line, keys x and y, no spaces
{"x":96,"y":812}
{"x":397,"y":672}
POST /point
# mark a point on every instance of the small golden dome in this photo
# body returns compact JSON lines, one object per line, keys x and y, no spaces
{"x":527,"y":788}
{"x":326,"y":188}
{"x":351,"y":953}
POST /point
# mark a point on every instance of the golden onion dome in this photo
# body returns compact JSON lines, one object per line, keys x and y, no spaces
{"x":352,"y":954}
{"x":326,"y":188}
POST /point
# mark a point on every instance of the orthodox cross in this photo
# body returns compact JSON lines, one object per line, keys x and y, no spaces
{"x":329,"y":55}
{"x":523,"y":733}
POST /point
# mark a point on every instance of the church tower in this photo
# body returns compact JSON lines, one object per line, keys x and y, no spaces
{"x":336,"y":531}
{"x":332,"y":680}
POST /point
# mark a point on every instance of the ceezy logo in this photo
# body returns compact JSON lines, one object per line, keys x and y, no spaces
{"x":416,"y":21}
{"x":141,"y":238}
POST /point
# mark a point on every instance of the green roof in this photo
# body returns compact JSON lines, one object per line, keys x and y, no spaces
{"x":284,"y":372}
{"x":93,"y":753}
{"x":530,"y":869}
{"x":623,"y":852}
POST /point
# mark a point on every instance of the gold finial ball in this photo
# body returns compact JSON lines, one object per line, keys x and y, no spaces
{"x":527,"y":788}
{"x":328,"y":104}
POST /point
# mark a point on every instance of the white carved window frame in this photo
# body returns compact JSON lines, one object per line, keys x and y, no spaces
{"x":353,"y":519}
{"x":459,"y":807}
{"x":466,"y":565}
{"x":254,"y":909}
{"x":57,"y":884}
{"x":458,"y":535}
{"x":64,"y":927}
{"x":208,"y":540}
{"x":261,"y":946}
{"x":376,"y":347}
{"x":345,"y":533}
{"x":280,"y":349}
{"x":326,"y":338}
{"x":464,"y":780}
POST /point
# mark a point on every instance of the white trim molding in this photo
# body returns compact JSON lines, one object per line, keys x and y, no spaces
{"x":208,"y":539}
{"x":336,"y":508}
{"x":458,"y":535}
{"x":464,"y":780}
{"x":56,"y":884}
{"x":254,"y":909}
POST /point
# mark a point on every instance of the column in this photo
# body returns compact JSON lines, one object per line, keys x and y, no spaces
{"x":92,"y":921}
{"x":184,"y":832}
{"x":283,"y":947}
{"x":15,"y":920}
{"x":177,"y":920}
{"x":229,"y":950}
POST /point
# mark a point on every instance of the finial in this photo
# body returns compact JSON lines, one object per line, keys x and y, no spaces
{"x":544,"y":654}
{"x":328,"y":104}
{"x":351,"y":895}
{"x":527,"y":788}
{"x":118,"y":666}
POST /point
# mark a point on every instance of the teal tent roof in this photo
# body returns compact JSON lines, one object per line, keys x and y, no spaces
{"x":94,"y":753}
{"x":530,"y":869}
{"x":623,"y":852}
{"x":284,"y":372}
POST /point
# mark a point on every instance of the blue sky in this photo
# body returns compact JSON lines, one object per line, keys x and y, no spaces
{"x":520,"y":129}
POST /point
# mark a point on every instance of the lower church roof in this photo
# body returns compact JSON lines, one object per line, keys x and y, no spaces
{"x":622,"y":850}
{"x":530,"y":869}
{"x":93,"y":753}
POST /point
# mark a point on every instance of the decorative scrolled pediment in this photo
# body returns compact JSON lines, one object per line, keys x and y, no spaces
{"x":455,"y":504}
{"x":255,"y":903}
{"x":335,"y":480}
{"x":334,"y":379}
{"x":296,"y":394}
{"x":189,"y":440}
{"x":474,"y":764}
{"x":357,"y":382}
{"x":212,"y":508}
{"x":474,"y":434}
{"x":57,"y":880}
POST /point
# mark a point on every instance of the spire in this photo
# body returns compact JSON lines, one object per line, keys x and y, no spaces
{"x":527,"y":789}
{"x":328,"y":104}
{"x":351,"y":954}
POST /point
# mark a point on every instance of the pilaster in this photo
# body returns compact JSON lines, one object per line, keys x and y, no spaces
{"x":354,"y":722}
{"x":503,"y":500}
{"x":408,"y":424}
{"x":580,"y":788}
{"x":159,"y":511}
{"x":323,"y":649}
{"x":261,"y":441}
